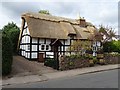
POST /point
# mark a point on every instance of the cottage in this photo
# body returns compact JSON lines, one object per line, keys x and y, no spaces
{"x":46,"y":36}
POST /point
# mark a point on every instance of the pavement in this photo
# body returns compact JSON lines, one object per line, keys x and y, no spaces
{"x":58,"y":74}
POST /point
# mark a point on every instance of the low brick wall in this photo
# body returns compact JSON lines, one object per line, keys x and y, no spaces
{"x":66,"y":63}
{"x":111,"y":59}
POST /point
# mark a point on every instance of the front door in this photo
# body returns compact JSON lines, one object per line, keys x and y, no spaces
{"x":40,"y":57}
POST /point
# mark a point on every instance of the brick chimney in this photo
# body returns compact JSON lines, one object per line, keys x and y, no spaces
{"x":82,"y":22}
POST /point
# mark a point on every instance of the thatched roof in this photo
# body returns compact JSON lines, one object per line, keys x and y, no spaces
{"x":48,"y":26}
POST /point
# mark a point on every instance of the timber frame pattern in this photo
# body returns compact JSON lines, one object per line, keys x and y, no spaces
{"x":57,"y":46}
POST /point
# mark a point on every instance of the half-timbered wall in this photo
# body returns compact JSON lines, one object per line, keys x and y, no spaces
{"x":30,"y":47}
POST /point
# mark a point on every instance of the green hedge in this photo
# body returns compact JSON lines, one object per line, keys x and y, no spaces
{"x":52,"y":63}
{"x":14,"y":36}
{"x":113,"y":46}
{"x":49,"y":62}
{"x":6,"y":55}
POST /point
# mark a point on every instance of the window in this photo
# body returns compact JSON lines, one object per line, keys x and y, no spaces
{"x":98,"y":44}
{"x":42,"y":47}
{"x":71,"y":37}
{"x":28,"y":47}
{"x":94,"y":48}
{"x":47,"y":47}
{"x":26,"y":31}
{"x":94,"y":44}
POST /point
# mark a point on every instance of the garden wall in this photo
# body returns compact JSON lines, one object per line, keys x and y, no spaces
{"x":66,"y":63}
{"x":111,"y":59}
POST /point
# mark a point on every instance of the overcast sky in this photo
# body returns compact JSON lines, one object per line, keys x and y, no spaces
{"x":98,"y":12}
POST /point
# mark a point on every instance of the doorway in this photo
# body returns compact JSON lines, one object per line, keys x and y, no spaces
{"x":41,"y":57}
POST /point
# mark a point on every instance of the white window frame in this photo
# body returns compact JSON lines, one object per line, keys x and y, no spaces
{"x":45,"y":47}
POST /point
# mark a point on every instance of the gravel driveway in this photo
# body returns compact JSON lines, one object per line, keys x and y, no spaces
{"x":22,"y":67}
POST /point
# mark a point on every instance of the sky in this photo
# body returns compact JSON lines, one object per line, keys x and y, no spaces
{"x":98,"y":12}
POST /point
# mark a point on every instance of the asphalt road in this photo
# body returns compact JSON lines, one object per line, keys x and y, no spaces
{"x":104,"y":79}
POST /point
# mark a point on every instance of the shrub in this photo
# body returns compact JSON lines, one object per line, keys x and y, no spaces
{"x":49,"y":62}
{"x":89,"y":51}
{"x":95,"y":60}
{"x":113,"y":46}
{"x":6,"y":55}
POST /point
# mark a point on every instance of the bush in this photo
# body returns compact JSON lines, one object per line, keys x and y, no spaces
{"x":89,"y":51}
{"x":49,"y":62}
{"x":113,"y":46}
{"x":6,"y":55}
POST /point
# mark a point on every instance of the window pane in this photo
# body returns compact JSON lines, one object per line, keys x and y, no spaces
{"x":47,"y":47}
{"x":28,"y":47}
{"x":42,"y":47}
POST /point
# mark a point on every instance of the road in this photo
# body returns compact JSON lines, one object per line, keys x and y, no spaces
{"x":104,"y":79}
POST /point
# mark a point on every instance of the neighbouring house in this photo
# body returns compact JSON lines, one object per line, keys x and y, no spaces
{"x":117,"y":37}
{"x":45,"y":36}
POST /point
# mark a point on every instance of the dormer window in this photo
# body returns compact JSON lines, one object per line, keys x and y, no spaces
{"x":71,"y":36}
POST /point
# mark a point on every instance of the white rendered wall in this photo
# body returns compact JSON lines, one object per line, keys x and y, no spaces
{"x":34,"y":40}
{"x":41,"y":41}
{"x":25,"y":39}
{"x":48,"y":41}
{"x":67,"y":42}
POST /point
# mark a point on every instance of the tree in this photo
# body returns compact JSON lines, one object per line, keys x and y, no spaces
{"x":44,"y":12}
{"x":96,"y":36}
{"x":108,"y":33}
{"x":9,"y":27}
{"x":11,"y":30}
{"x":112,"y":46}
{"x":79,"y":46}
{"x":103,"y":34}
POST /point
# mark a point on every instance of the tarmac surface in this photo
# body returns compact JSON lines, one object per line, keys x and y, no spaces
{"x":56,"y":75}
{"x":104,"y":79}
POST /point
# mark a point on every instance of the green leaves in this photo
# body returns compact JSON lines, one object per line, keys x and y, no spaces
{"x":113,"y":46}
{"x":12,"y":32}
{"x":44,"y":12}
{"x":6,"y":55}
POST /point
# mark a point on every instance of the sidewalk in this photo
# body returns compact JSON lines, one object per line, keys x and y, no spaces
{"x":59,"y":74}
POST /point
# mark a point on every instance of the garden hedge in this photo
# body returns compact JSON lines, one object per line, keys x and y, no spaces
{"x":113,"y":46}
{"x":6,"y":55}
